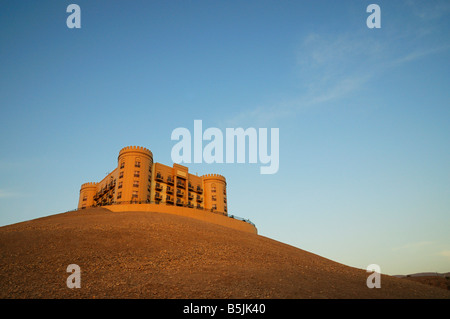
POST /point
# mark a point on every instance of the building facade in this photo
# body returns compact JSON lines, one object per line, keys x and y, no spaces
{"x":138,"y":180}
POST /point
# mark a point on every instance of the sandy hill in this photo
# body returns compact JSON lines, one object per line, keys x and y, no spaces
{"x":156,"y":255}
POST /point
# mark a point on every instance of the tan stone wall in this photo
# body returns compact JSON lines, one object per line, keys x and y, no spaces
{"x":188,"y":212}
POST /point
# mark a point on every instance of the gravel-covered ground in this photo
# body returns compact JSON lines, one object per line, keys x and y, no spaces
{"x":155,"y":255}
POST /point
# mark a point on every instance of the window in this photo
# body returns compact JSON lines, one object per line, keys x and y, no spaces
{"x":120,"y":185}
{"x":137,"y":162}
{"x":214,"y":197}
{"x":214,"y":206}
{"x":121,"y":175}
{"x":213,"y":188}
{"x":122,"y":165}
{"x":136,"y":173}
{"x":136,"y":184}
{"x":135,"y":194}
{"x":180,"y":183}
{"x":84,"y":198}
{"x":119,"y":195}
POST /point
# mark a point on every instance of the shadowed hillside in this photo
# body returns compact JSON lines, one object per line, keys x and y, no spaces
{"x":157,"y":255}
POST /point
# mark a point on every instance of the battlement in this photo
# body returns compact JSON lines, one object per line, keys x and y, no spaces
{"x":138,"y":149}
{"x":214,"y":176}
{"x":89,"y":184}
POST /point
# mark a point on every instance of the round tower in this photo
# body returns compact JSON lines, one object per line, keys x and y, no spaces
{"x":215,"y":190}
{"x":87,"y":193}
{"x":135,"y":174}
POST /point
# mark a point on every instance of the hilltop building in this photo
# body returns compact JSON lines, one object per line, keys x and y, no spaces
{"x":138,"y":180}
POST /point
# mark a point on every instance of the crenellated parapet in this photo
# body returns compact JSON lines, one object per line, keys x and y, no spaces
{"x":214,"y":176}
{"x":88,"y":185}
{"x":128,"y":150}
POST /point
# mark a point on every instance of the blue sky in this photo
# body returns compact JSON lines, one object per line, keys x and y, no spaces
{"x":363,"y":113}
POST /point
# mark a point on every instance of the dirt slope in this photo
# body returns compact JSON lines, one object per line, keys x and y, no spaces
{"x":437,"y":281}
{"x":154,"y":255}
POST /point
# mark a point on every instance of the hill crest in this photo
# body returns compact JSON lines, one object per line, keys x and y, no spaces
{"x":156,"y":255}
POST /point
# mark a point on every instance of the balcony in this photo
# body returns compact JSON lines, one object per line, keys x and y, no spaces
{"x":159,"y":177}
{"x":181,"y":184}
{"x":169,"y":190}
{"x":199,"y":189}
{"x":158,"y":196}
{"x":158,"y":187}
{"x":190,"y":187}
{"x":180,"y":193}
{"x":190,"y":195}
{"x":180,"y":202}
{"x":190,"y":205}
{"x":199,"y":198}
{"x":170,"y":180}
{"x":199,"y":206}
{"x":169,"y":199}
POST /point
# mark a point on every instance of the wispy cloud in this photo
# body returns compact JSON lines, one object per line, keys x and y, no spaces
{"x":444,"y":253}
{"x":429,"y":10}
{"x":334,"y":66}
{"x":414,"y":246}
{"x":418,"y":54}
{"x":7,"y":194}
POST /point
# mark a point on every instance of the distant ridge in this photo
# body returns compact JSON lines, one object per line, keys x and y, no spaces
{"x":425,"y":274}
{"x":157,"y":255}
